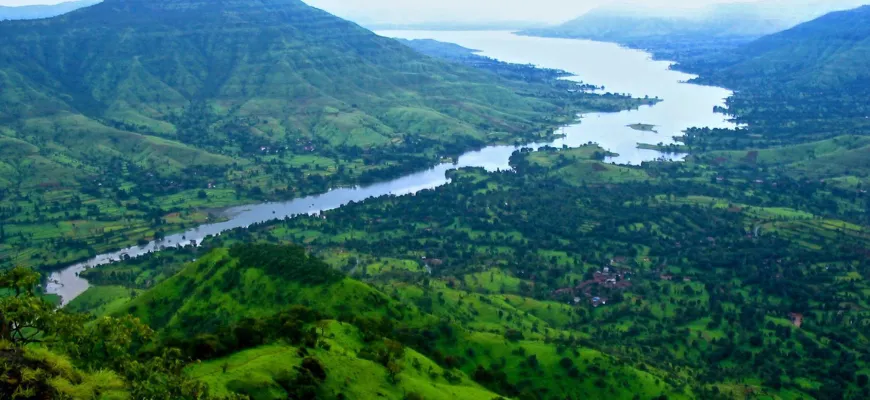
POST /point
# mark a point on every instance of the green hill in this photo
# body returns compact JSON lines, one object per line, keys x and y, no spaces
{"x":228,"y":77}
{"x":826,"y":54}
{"x":808,"y":83}
{"x":249,"y":309}
{"x":226,"y":287}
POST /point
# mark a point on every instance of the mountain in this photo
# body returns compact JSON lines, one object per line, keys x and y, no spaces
{"x":190,"y":71}
{"x":43,"y":11}
{"x":828,"y":53}
{"x":132,"y":114}
{"x":620,"y":25}
{"x":690,"y":35}
{"x":628,"y":23}
{"x":808,"y":83}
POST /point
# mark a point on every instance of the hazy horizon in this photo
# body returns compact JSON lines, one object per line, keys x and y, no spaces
{"x":540,"y":11}
{"x":546,"y":11}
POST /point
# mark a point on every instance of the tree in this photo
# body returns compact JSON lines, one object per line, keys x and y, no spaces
{"x":19,"y":279}
{"x":26,"y":318}
{"x":110,"y":341}
{"x":413,"y":396}
{"x":322,"y":325}
{"x":394,"y":369}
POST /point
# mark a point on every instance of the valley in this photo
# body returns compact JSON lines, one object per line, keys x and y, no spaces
{"x":149,"y":146}
{"x":258,"y":200}
{"x":681,"y":109}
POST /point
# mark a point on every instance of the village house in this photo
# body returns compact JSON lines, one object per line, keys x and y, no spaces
{"x":598,"y":301}
{"x":797,"y":319}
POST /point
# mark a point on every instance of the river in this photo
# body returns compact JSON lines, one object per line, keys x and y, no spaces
{"x":619,"y":69}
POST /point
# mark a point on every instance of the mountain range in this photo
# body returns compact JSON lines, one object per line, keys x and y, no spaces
{"x":806,"y":84}
{"x":43,"y":11}
{"x":744,"y":21}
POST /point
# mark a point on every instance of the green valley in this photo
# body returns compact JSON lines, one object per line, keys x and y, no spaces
{"x":184,"y":108}
{"x":739,"y":272}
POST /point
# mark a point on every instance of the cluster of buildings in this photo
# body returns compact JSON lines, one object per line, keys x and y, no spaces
{"x":607,"y":278}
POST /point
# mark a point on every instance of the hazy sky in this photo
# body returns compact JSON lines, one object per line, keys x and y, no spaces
{"x":551,"y":11}
{"x":409,"y":11}
{"x":470,"y":10}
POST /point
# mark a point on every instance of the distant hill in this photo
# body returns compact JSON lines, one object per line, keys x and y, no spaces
{"x":624,"y":26}
{"x":43,"y":11}
{"x":807,"y":83}
{"x":828,"y":53}
{"x":691,"y":35}
{"x":636,"y":23}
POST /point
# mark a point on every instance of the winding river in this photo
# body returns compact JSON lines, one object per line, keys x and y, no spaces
{"x":620,"y":70}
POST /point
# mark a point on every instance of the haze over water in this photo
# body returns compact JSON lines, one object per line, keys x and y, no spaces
{"x":619,"y":70}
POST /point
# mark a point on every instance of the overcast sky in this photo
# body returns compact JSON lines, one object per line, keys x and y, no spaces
{"x":551,"y":11}
{"x":469,"y":10}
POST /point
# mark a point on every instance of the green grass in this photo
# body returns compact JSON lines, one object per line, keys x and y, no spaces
{"x":102,"y":300}
{"x":346,"y":372}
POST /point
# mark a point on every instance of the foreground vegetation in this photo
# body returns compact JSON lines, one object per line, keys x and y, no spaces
{"x":570,"y":278}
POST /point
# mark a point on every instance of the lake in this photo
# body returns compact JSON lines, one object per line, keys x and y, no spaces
{"x":618,"y":69}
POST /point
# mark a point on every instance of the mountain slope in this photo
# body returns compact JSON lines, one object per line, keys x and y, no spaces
{"x":43,"y":11}
{"x":230,"y":285}
{"x":827,"y":53}
{"x":808,"y":83}
{"x":167,"y":62}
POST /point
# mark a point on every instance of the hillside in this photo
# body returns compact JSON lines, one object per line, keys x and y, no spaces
{"x":828,"y":53}
{"x":251,"y":312}
{"x":805,"y":84}
{"x":43,"y":11}
{"x":122,"y":121}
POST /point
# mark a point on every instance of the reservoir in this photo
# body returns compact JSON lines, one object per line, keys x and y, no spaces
{"x":618,"y":69}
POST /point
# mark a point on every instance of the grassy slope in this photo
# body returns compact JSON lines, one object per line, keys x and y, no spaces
{"x":215,"y":290}
{"x":199,"y":297}
{"x":354,"y":377}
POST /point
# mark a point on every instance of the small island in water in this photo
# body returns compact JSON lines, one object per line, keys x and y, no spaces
{"x":643,"y":127}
